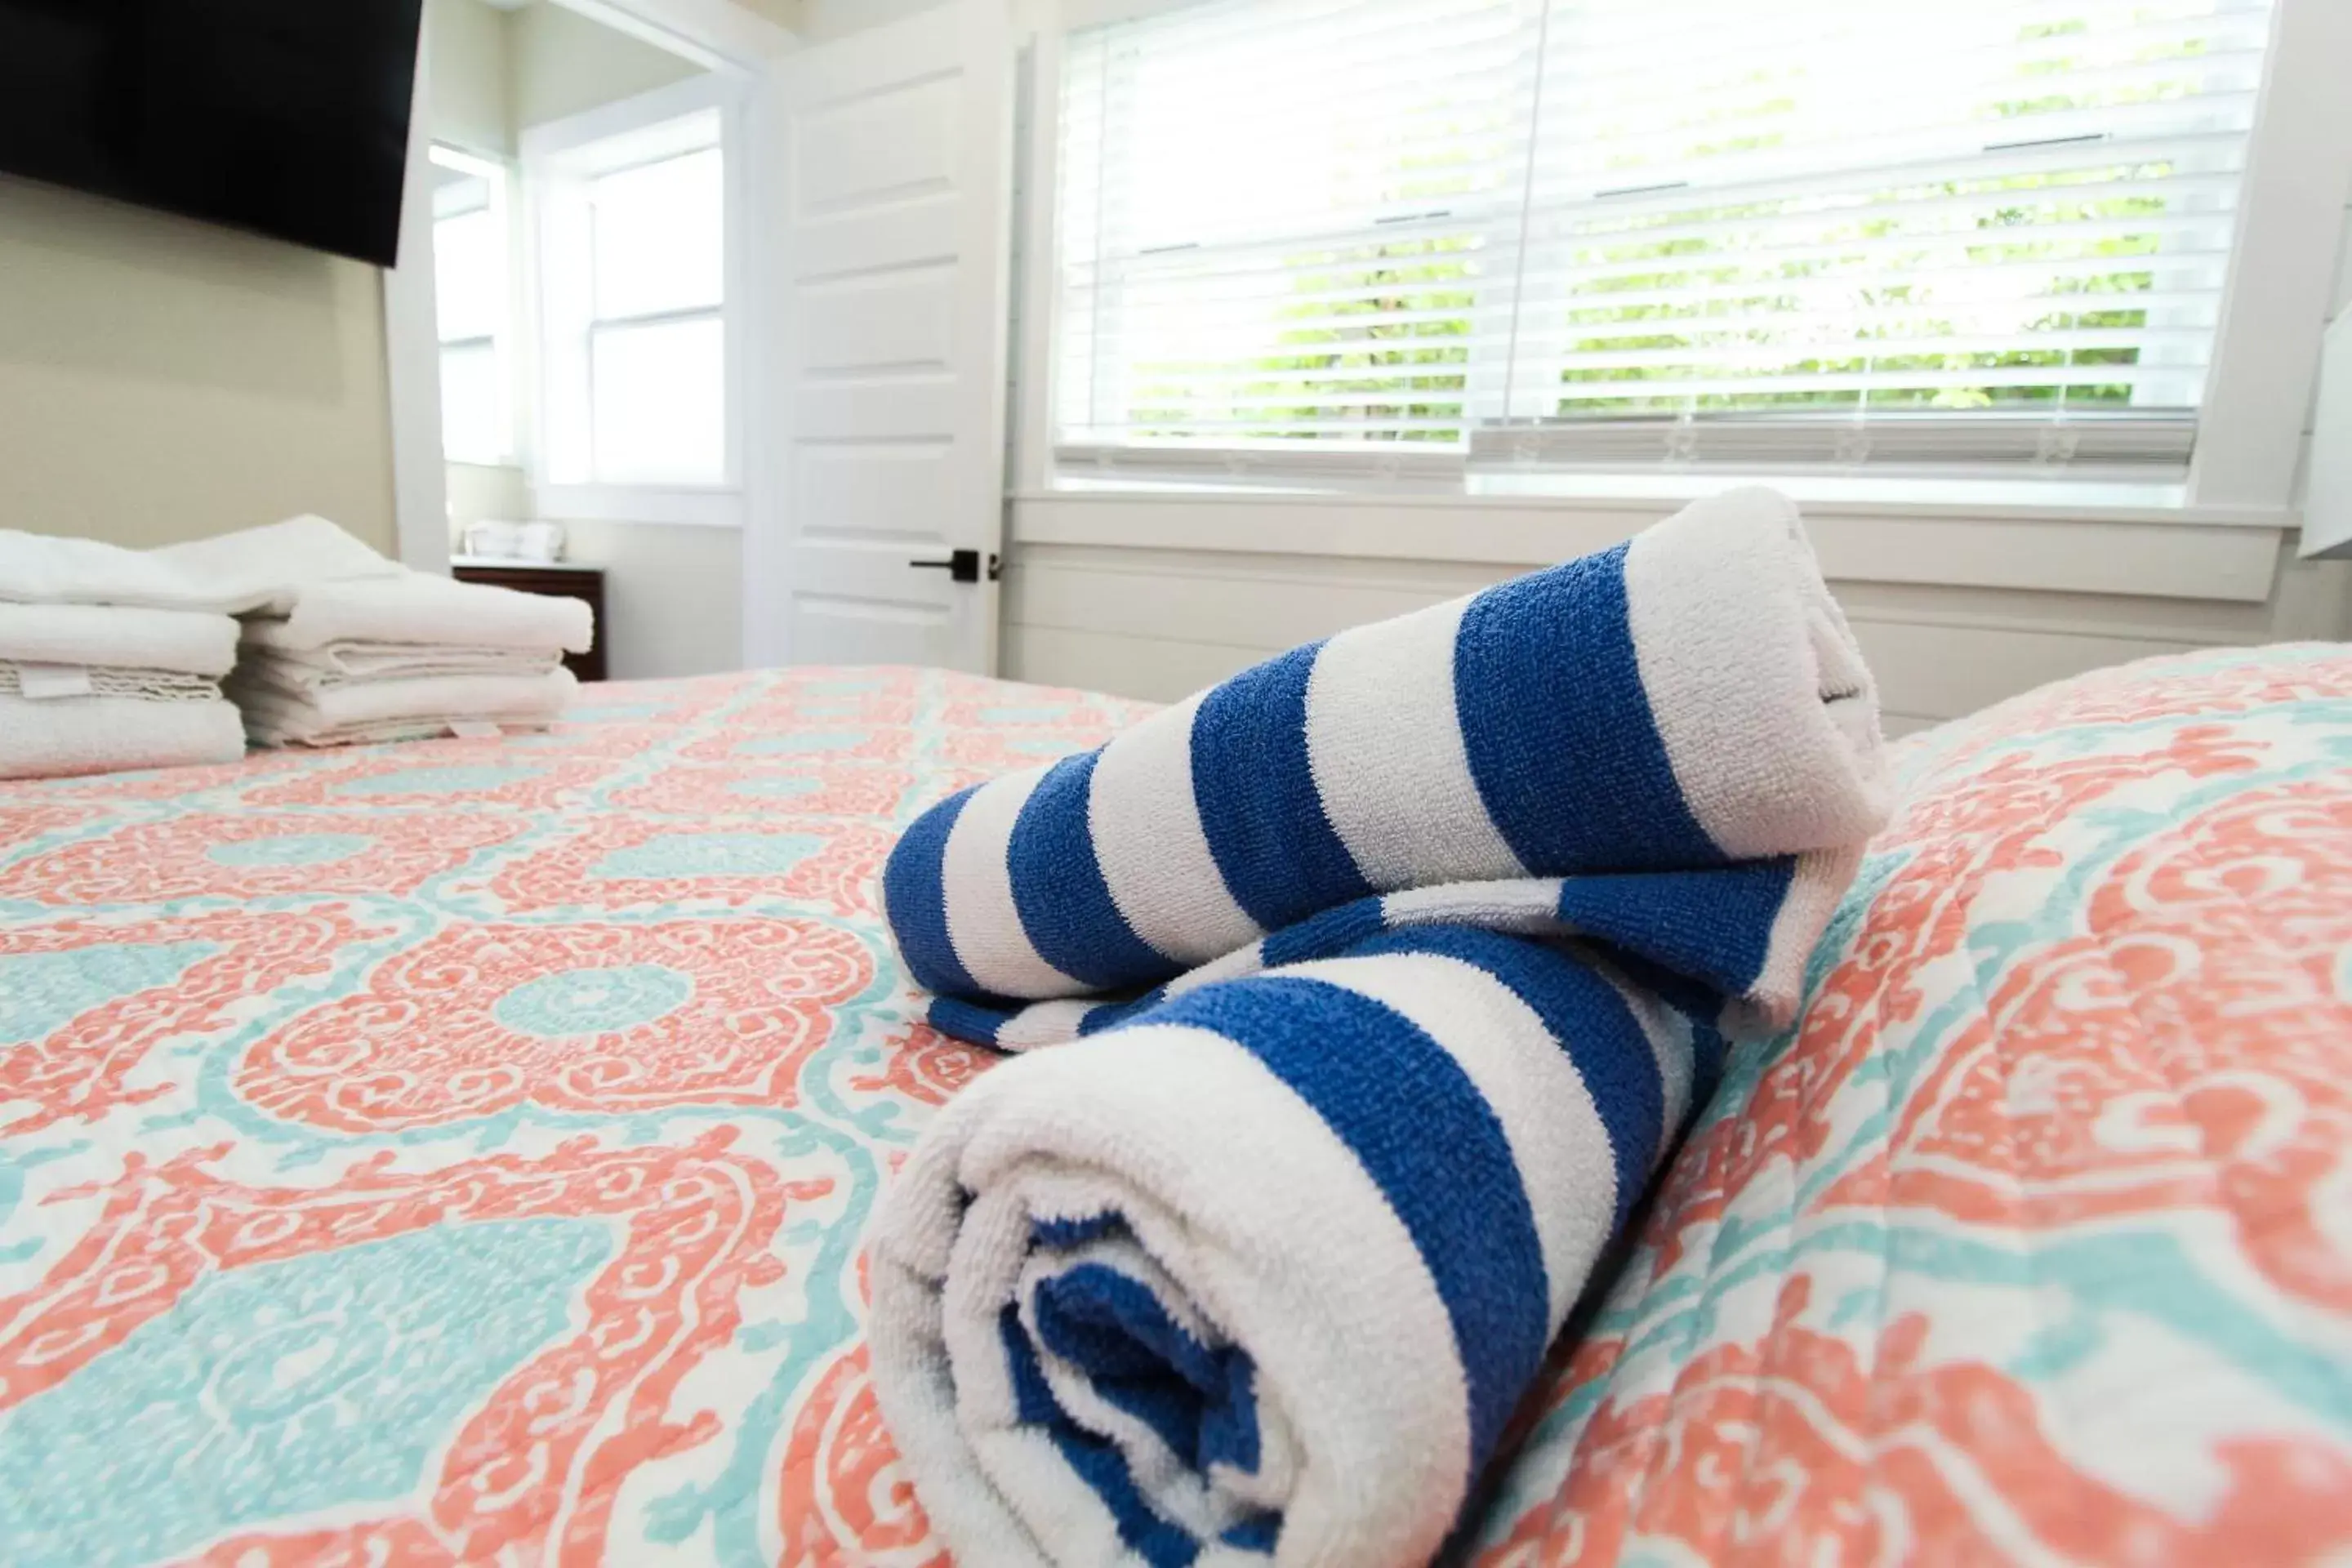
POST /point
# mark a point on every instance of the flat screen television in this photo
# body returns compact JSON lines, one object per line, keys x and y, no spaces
{"x":289,"y":117}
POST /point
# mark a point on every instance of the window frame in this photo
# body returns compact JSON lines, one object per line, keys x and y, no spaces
{"x":503,"y":340}
{"x":2263,"y":360}
{"x":558,"y":160}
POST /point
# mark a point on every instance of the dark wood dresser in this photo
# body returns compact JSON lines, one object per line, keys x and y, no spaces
{"x":557,"y":579}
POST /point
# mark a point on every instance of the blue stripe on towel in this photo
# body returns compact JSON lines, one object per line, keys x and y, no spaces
{"x":1546,"y":686}
{"x":1068,"y":1233}
{"x":1058,"y":887}
{"x":1713,"y":927}
{"x":1113,"y":1328}
{"x":1093,"y":1460}
{"x":1381,"y":1084}
{"x":1590,"y":1021}
{"x":976,"y":1022}
{"x":1276,"y":849}
{"x":1258,"y":1532}
{"x":1097,"y":1019}
{"x":1333,"y":930}
{"x":915,"y":901}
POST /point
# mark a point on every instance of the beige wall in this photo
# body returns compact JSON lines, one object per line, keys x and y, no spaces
{"x":785,"y":14}
{"x":468,"y":75}
{"x":559,"y":63}
{"x":479,"y":490}
{"x":824,"y":19}
{"x":163,"y":379}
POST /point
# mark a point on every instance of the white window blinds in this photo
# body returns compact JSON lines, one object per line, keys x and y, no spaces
{"x":1614,"y":231}
{"x":1273,"y":218}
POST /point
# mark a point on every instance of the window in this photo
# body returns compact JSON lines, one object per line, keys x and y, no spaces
{"x":631,"y":214}
{"x":1616,"y":233}
{"x":472,"y":286}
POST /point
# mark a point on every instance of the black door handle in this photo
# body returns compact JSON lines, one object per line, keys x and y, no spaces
{"x":962,"y":565}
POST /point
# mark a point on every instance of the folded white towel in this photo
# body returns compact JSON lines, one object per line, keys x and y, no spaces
{"x":420,"y":608}
{"x":253,"y":569}
{"x":104,"y":734}
{"x":279,"y":711}
{"x":393,"y":729}
{"x":356,"y":661}
{"x":118,"y":636}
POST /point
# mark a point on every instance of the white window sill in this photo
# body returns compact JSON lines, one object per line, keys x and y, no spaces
{"x":2052,"y":499}
{"x":689,"y":506}
{"x":2044,"y":544}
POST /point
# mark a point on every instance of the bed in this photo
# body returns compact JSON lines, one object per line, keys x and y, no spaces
{"x":459,"y":1152}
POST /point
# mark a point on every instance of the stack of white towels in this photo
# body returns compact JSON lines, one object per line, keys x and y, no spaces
{"x":293,"y":633}
{"x":405,"y":657}
{"x":88,"y":689}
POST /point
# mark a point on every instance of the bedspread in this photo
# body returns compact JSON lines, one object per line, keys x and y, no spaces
{"x":458,"y":1150}
{"x":2032,"y":1241}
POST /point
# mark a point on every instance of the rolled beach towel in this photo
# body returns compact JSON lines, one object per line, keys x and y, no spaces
{"x":1260,"y":1277}
{"x":1688,"y":698}
{"x":1255,"y":1269}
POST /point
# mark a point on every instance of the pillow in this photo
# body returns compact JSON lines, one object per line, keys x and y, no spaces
{"x":2034,"y":1236}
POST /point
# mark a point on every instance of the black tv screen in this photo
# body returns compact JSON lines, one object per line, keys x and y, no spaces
{"x":290,"y":117}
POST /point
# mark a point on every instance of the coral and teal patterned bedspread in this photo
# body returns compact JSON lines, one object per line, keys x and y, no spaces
{"x":458,"y":1153}
{"x":457,"y":1150}
{"x":2032,"y":1241}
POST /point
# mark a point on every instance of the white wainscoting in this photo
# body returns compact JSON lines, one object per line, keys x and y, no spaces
{"x":1156,"y":596}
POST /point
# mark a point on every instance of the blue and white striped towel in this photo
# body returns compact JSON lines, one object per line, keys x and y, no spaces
{"x":1689,"y":698}
{"x":1441,"y":920}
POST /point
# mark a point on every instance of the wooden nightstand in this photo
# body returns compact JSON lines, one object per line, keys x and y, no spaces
{"x":557,"y":579}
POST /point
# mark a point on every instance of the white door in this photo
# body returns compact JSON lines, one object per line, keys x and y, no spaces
{"x":888,"y":361}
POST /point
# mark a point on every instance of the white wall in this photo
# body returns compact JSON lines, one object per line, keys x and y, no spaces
{"x":2340,"y":301}
{"x":1944,"y":606}
{"x":163,"y":379}
{"x":673,"y":595}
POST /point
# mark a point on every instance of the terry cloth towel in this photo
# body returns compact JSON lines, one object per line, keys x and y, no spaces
{"x":1256,"y":1269}
{"x":280,"y":713}
{"x":100,"y":734}
{"x":253,"y":569}
{"x":418,"y":607}
{"x":1683,"y":700}
{"x":179,"y":642}
{"x":356,"y":661}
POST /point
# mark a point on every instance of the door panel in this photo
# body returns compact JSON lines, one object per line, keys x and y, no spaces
{"x":884,"y":489}
{"x":888,"y":356}
{"x":905,"y":319}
